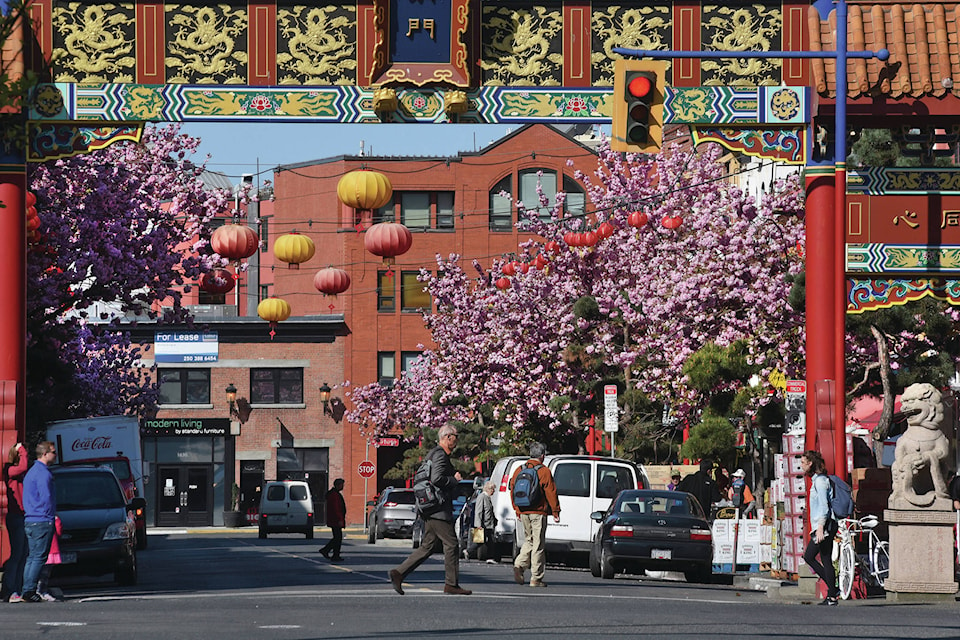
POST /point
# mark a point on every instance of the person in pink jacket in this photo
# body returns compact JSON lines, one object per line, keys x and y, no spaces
{"x":14,"y":470}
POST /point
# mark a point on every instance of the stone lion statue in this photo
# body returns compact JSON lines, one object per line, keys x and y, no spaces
{"x":918,"y":478}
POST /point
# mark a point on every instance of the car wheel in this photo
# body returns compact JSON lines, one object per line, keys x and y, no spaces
{"x":372,"y":534}
{"x":126,"y":573}
{"x":701,"y":574}
{"x":380,"y":534}
{"x":606,"y":569}
{"x":594,"y":562}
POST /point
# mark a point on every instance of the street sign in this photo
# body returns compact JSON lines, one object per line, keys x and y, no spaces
{"x":610,"y":413}
{"x":388,"y":442}
{"x":366,"y":469}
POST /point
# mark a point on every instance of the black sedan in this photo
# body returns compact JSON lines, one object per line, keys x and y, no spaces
{"x":656,"y":530}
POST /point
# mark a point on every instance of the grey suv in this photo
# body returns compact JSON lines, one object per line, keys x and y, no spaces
{"x":392,"y":515}
{"x":98,"y":527}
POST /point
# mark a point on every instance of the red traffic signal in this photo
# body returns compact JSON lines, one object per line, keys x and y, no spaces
{"x":641,"y":89}
{"x":637,"y":114}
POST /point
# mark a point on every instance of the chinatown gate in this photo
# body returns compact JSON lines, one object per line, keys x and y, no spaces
{"x":116,"y":66}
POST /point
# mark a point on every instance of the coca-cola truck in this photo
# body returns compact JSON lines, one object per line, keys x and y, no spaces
{"x":109,"y":441}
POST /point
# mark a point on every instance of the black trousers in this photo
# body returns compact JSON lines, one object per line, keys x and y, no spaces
{"x":823,"y":567}
{"x":334,"y":545}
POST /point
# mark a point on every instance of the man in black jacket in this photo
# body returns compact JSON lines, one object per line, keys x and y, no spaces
{"x":702,"y":486}
{"x":438,"y":525}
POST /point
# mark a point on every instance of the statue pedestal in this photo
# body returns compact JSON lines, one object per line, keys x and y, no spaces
{"x":921,"y":551}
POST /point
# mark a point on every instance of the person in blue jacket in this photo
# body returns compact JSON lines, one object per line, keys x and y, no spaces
{"x":822,"y":525}
{"x":39,"y":516}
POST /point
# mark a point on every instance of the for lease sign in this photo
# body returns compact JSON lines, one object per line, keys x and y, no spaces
{"x":186,"y":346}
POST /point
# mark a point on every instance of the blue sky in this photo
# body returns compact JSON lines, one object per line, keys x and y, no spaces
{"x":239,"y":148}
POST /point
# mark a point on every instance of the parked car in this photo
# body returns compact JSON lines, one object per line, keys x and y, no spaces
{"x":286,"y":506}
{"x":657,"y":530}
{"x":98,"y":524}
{"x":585,"y":484}
{"x":392,"y":515}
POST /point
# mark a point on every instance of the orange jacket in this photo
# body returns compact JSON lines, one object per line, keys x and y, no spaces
{"x":551,"y":504}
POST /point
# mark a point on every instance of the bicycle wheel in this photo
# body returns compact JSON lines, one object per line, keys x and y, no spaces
{"x":848,"y":565}
{"x":881,"y":562}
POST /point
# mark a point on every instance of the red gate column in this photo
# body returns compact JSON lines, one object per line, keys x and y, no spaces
{"x":13,"y":301}
{"x":821,"y":281}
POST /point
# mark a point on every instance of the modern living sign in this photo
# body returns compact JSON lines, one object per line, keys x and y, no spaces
{"x":186,"y":346}
{"x":191,"y":427}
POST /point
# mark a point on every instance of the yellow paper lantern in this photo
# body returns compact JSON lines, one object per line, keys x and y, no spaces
{"x":364,"y":189}
{"x":273,"y":310}
{"x":293,"y":248}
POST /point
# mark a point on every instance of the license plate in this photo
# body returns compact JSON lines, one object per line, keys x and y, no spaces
{"x":68,"y":557}
{"x":407,"y":522}
{"x":661,"y":554}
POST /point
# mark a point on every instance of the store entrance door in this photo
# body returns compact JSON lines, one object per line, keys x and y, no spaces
{"x":186,"y":496}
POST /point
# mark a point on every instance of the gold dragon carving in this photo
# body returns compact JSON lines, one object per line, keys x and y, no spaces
{"x":632,"y":27}
{"x":321,"y":45}
{"x":203,"y":49}
{"x":517,"y":42}
{"x":741,"y":28}
{"x":96,"y":48}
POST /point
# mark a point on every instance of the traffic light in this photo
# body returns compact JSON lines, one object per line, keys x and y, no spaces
{"x":638,"y":106}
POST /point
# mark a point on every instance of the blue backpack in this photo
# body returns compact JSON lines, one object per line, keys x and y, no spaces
{"x":842,"y":503}
{"x":527,"y":492}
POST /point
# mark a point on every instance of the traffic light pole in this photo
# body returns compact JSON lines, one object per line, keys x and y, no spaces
{"x":821,"y":337}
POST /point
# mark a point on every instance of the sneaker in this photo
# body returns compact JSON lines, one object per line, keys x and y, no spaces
{"x":15,"y":597}
{"x":491,"y":561}
{"x":539,"y":583}
{"x":337,"y":558}
{"x":518,"y":574}
{"x":829,"y":602}
{"x":47,"y":597}
{"x":32,"y":596}
{"x":325,"y":553}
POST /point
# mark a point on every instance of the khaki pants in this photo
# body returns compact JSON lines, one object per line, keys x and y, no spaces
{"x":434,"y":530}
{"x":533,"y":554}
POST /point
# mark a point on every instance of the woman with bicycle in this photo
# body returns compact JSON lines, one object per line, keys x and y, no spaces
{"x":822,"y":525}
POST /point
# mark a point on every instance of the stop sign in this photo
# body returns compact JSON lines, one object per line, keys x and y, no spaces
{"x":366,"y":469}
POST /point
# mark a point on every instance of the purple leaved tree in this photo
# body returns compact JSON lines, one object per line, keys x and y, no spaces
{"x":120,"y":231}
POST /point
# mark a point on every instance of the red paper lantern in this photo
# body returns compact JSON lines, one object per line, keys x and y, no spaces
{"x":540,"y":262}
{"x":572,"y":239}
{"x":331,"y":281}
{"x":235,"y":242}
{"x":388,"y":240}
{"x":588,"y":239}
{"x":671,"y":222}
{"x":637,"y":219}
{"x":508,"y":269}
{"x":503,"y":283}
{"x":605,"y":230}
{"x":522,"y":266}
{"x":217,"y":281}
{"x":552,"y":246}
{"x":31,"y":198}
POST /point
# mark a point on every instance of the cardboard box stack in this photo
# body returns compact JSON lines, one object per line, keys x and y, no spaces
{"x":792,"y":485}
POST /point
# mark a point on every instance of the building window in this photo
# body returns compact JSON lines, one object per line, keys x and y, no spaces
{"x":387,"y":368}
{"x":386,"y":291}
{"x":445,"y":210}
{"x":413,"y":293}
{"x":415,"y":209}
{"x":184,"y":386}
{"x":386,"y":213}
{"x":276,"y":386}
{"x":501,"y":213}
{"x":205,"y":297}
{"x":264,"y":292}
{"x":264,"y":235}
{"x":576,"y":202}
{"x":529,"y":179}
{"x":408,"y":360}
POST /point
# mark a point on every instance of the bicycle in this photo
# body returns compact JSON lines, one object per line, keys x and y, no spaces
{"x":874,"y":564}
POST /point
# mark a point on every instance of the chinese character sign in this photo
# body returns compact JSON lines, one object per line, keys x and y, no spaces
{"x":420,"y":31}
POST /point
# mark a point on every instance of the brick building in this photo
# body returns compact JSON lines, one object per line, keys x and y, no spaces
{"x":367,"y":334}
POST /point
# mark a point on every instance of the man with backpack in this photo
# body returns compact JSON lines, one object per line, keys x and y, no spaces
{"x":534,"y":497}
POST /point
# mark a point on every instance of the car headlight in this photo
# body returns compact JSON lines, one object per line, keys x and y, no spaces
{"x":116,"y":531}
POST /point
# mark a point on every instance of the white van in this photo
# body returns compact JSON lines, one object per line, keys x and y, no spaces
{"x":286,"y":506}
{"x":584,"y":484}
{"x":503,"y":504}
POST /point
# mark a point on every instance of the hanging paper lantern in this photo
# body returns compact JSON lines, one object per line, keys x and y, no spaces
{"x":671,"y":222}
{"x":572,"y":239}
{"x":637,"y":219}
{"x":540,"y":262}
{"x":293,"y":248}
{"x":509,"y":269}
{"x":33,"y":219}
{"x":273,"y":310}
{"x":235,"y":242}
{"x":522,"y":267}
{"x":503,"y":283}
{"x":364,"y":189}
{"x":552,"y":246}
{"x":217,"y":281}
{"x":588,"y":239}
{"x":331,"y":281}
{"x":387,"y":240}
{"x":605,"y":230}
